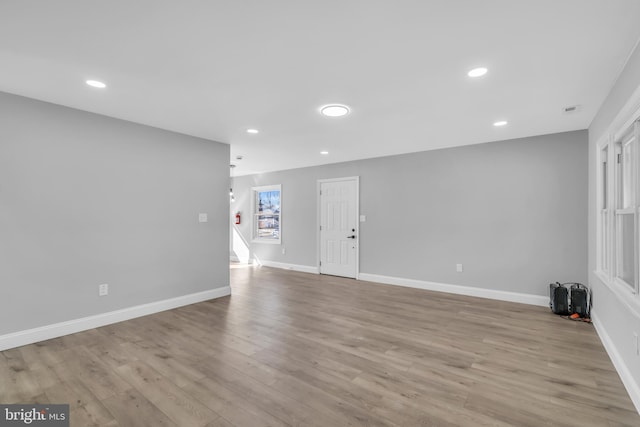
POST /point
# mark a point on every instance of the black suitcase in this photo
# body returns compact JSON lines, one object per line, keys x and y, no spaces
{"x":559,"y":297}
{"x":579,"y":300}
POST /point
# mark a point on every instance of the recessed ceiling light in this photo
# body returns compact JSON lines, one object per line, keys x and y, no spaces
{"x":477,"y":72}
{"x":500,"y":123}
{"x":335,"y":110}
{"x":324,"y":153}
{"x":254,"y":131}
{"x":96,"y":83}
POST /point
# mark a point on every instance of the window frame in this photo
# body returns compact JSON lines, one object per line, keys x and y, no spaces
{"x":255,"y":192}
{"x":626,"y":205}
{"x":610,"y":210}
{"x":603,"y":211}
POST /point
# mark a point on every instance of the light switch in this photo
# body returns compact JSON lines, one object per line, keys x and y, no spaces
{"x":363,"y":218}
{"x":103,"y":289}
{"x":202,"y":217}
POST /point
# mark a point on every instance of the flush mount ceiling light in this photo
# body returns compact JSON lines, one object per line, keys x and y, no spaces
{"x":335,"y":110}
{"x":253,"y":131}
{"x":500,"y":123}
{"x":96,"y":83}
{"x":324,"y":153}
{"x":477,"y":72}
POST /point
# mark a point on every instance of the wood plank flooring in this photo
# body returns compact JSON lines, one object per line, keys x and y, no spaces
{"x":295,"y":349}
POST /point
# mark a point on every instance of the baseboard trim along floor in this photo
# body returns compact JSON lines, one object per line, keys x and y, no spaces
{"x":458,"y":290}
{"x":29,"y":336}
{"x":494,"y":294}
{"x":618,"y":362}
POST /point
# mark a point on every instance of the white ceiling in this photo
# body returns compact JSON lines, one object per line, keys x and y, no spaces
{"x":215,"y":68}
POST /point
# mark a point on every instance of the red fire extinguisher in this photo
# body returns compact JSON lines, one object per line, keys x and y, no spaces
{"x":237,"y":217}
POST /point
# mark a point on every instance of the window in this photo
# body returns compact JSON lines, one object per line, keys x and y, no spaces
{"x":618,"y":211}
{"x":267,"y":207}
{"x":626,"y":233}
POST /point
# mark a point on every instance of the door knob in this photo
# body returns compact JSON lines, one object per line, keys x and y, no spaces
{"x":351,"y":237}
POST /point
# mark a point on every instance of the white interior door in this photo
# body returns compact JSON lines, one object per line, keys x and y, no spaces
{"x":339,"y":227}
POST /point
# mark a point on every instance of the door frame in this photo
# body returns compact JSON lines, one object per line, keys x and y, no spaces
{"x":319,"y":216}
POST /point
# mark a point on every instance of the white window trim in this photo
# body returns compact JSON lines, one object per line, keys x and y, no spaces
{"x":254,"y":215}
{"x":626,"y":118}
{"x":621,"y":141}
{"x":605,"y":275}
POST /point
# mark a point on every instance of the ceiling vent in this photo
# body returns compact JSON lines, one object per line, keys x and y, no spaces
{"x":571,"y":109}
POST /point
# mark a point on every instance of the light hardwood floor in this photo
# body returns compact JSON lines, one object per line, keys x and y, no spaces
{"x":297,"y":349}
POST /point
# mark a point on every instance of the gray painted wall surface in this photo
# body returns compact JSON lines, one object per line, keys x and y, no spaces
{"x":619,"y":322}
{"x":512,"y":212}
{"x":86,"y":199}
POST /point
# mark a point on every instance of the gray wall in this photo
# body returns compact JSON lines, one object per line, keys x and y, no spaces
{"x":86,"y":199}
{"x":613,"y":315}
{"x":512,"y":212}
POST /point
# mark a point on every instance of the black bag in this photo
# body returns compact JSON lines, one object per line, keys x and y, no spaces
{"x":559,"y":296}
{"x":579,"y":300}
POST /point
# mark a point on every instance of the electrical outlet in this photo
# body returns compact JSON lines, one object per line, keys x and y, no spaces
{"x":202,"y":217}
{"x":459,"y":268}
{"x":103,"y":289}
{"x":284,"y":251}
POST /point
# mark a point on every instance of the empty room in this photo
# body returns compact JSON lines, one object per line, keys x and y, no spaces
{"x":338,"y":213}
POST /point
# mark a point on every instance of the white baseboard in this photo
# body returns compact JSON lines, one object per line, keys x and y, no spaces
{"x":430,"y":286}
{"x":457,"y":289}
{"x":234,"y":258}
{"x":30,"y":336}
{"x":633,"y":388}
{"x":285,"y":266}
